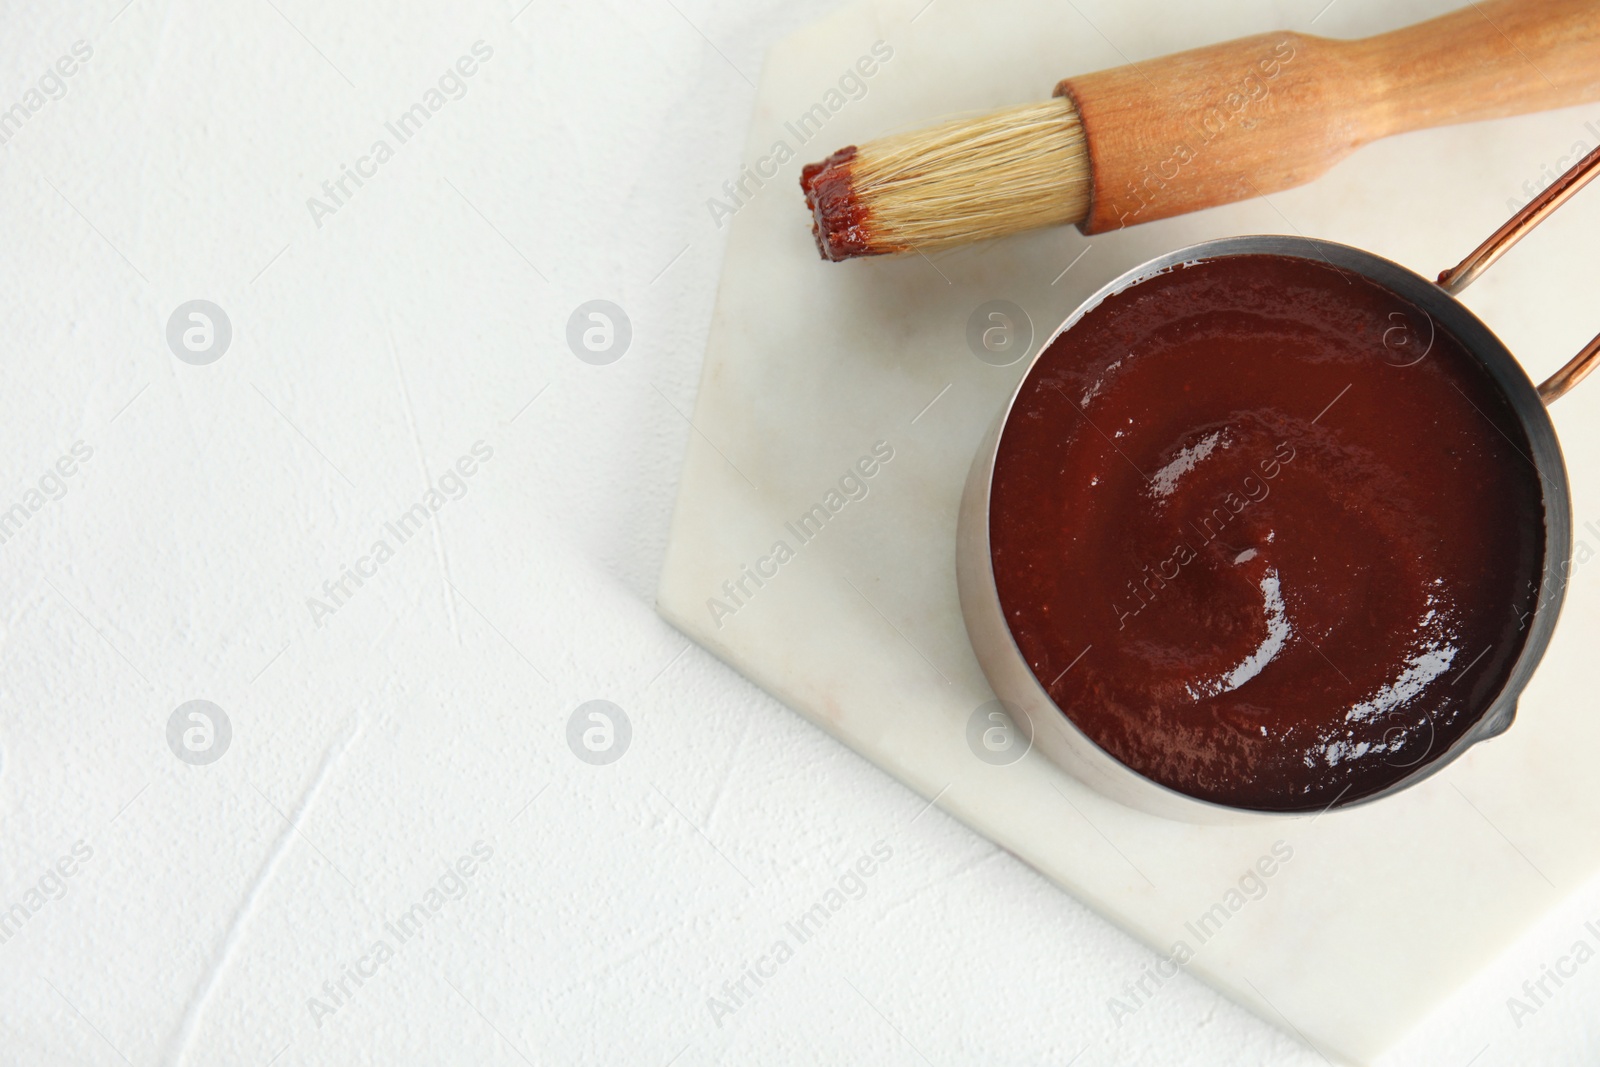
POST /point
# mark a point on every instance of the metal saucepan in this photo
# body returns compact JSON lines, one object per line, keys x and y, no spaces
{"x":1054,"y":732}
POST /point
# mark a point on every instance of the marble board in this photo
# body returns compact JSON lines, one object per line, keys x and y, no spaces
{"x":817,"y":373}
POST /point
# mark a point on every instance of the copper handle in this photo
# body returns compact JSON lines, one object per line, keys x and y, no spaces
{"x":1499,"y":243}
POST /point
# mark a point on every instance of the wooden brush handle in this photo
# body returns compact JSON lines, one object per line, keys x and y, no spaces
{"x":1235,"y":120}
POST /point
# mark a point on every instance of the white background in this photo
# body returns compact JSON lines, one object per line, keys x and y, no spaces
{"x":429,"y":712}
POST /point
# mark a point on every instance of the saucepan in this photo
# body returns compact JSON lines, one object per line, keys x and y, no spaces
{"x":1424,"y":716}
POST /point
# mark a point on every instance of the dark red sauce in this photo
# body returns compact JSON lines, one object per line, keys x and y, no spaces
{"x":1290,"y":518}
{"x":839,"y":222}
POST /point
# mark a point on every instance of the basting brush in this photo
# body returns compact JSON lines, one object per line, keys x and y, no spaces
{"x":1197,"y":129}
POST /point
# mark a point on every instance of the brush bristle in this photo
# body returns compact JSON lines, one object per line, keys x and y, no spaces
{"x":968,"y":180}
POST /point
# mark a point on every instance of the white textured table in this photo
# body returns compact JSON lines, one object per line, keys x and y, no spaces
{"x":231,"y":911}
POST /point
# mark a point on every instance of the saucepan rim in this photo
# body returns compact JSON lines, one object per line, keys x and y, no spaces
{"x":1071,"y":748}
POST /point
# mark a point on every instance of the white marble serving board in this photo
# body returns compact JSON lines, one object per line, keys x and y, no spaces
{"x":1382,"y":912}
